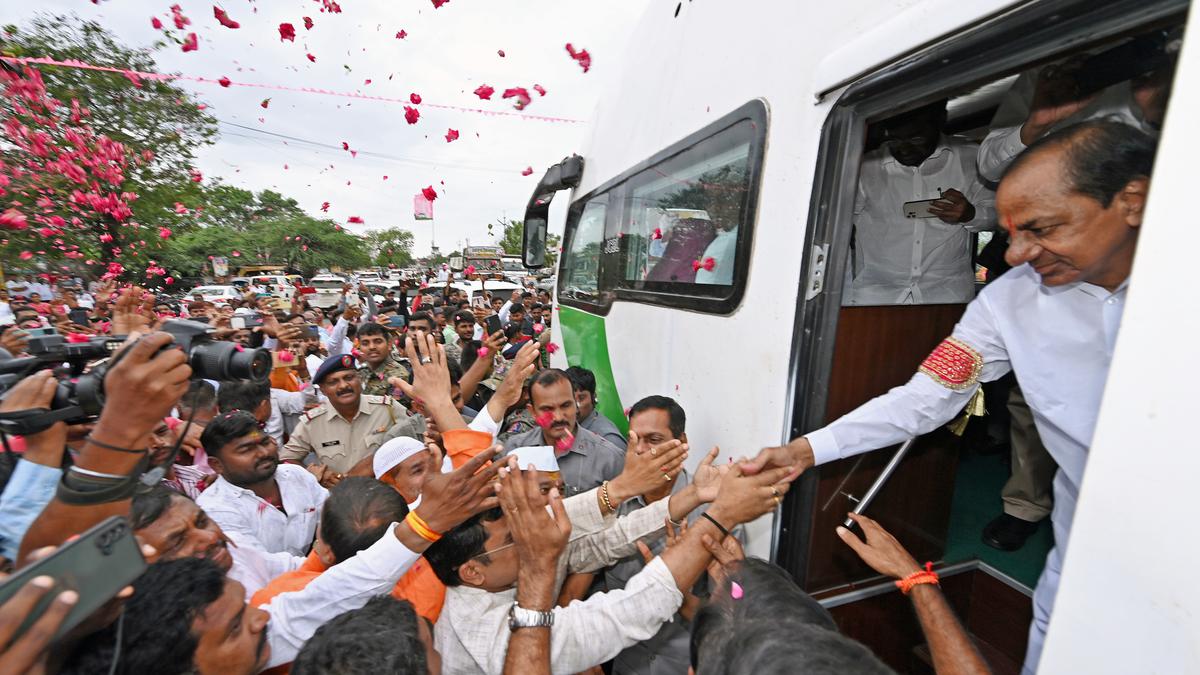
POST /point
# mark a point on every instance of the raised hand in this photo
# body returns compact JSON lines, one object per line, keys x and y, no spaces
{"x":448,"y":499}
{"x":1055,"y":98}
{"x":649,"y":471}
{"x":523,"y":366}
{"x":133,"y":311}
{"x":881,"y":550}
{"x":15,"y":340}
{"x":708,"y":477}
{"x":540,"y":536}
{"x":37,"y":391}
{"x":141,"y":388}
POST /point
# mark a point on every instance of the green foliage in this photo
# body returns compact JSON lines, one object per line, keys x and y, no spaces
{"x":392,"y":246}
{"x":512,"y":241}
{"x":151,"y":116}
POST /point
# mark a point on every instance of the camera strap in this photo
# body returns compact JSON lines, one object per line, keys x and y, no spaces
{"x":35,"y":420}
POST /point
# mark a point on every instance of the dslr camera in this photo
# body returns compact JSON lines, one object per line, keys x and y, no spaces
{"x":79,"y":397}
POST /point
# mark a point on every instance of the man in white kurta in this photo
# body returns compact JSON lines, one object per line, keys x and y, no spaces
{"x":1052,"y":319}
{"x":921,"y":260}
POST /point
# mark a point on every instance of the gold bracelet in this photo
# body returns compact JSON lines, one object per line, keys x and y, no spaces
{"x":604,"y":497}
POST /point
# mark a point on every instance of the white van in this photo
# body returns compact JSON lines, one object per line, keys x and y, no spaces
{"x":759,"y":115}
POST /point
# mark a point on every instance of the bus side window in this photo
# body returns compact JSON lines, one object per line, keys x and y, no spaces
{"x":581,"y":262}
{"x":684,"y":215}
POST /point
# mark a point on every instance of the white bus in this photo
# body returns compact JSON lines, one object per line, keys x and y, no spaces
{"x":746,"y":123}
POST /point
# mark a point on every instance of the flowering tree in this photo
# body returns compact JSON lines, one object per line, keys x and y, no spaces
{"x":95,"y":168}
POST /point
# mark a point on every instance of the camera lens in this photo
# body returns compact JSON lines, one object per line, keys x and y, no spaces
{"x":224,"y":361}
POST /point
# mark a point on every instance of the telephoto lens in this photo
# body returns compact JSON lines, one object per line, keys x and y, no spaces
{"x":229,"y":361}
{"x":216,"y":360}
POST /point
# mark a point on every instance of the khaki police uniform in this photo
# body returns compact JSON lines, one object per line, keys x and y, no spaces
{"x":375,"y":380}
{"x":341,"y":443}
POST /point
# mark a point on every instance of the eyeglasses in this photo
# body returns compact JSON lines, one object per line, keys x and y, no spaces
{"x":495,"y":550}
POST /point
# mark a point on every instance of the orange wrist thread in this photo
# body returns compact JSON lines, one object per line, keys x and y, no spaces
{"x":926,"y":576}
{"x":422,"y":528}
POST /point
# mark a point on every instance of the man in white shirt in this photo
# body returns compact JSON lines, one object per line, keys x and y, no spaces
{"x":1039,"y":101}
{"x":924,"y":259}
{"x":267,"y":505}
{"x":479,"y":566}
{"x":1073,"y":203}
{"x":222,"y":634}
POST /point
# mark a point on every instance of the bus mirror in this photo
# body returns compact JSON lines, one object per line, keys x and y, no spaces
{"x":566,"y":174}
{"x":533,"y":252}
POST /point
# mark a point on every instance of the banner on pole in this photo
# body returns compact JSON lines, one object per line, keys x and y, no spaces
{"x":422,"y":208}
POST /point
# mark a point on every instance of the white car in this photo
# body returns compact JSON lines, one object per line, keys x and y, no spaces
{"x":277,"y":285}
{"x":329,"y":291}
{"x":217,"y":295}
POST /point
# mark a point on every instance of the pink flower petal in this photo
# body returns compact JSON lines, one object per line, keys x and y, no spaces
{"x":287,"y":32}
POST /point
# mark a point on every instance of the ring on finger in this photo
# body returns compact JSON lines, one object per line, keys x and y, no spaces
{"x":667,"y":477}
{"x":425,"y":360}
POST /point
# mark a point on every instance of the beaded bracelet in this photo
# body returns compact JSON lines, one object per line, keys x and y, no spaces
{"x":925,"y":576}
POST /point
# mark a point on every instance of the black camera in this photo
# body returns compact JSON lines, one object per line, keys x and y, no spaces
{"x":216,"y":360}
{"x":79,"y":396}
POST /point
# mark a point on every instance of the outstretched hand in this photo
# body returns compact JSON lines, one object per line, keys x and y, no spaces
{"x":880,"y":551}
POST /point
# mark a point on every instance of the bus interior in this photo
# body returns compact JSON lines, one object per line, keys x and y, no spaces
{"x":857,"y":345}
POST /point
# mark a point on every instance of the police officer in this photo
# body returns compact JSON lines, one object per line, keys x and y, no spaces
{"x":380,"y":360}
{"x":347,"y":427}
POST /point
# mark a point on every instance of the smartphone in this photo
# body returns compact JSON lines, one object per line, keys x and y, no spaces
{"x":246,"y":321}
{"x":919,"y":209}
{"x":493,"y":325}
{"x":38,"y":332}
{"x":79,"y":316}
{"x":97,"y":565}
{"x":397,"y":321}
{"x":312,"y":331}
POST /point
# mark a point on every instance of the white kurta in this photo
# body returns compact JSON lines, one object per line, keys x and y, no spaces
{"x":1059,"y":342}
{"x":1003,"y":142}
{"x":899,"y":260}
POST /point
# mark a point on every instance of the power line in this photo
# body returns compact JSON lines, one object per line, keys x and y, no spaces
{"x":367,"y":153}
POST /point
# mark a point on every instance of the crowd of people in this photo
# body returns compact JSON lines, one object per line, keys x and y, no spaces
{"x":428,"y":499}
{"x":412,"y":488}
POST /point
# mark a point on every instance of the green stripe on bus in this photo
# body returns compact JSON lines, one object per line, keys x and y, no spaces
{"x":586,"y":345}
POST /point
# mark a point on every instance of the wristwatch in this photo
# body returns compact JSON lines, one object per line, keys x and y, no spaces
{"x":519,"y":617}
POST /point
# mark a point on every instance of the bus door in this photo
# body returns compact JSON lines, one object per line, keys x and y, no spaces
{"x":897,"y":272}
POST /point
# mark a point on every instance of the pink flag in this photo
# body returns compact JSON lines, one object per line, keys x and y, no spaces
{"x":422,"y":208}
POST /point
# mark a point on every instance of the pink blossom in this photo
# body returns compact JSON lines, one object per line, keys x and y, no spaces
{"x":451,"y":135}
{"x":164,"y":232}
{"x":411,"y":114}
{"x":190,"y":43}
{"x":287,"y":32}
{"x":484,"y":92}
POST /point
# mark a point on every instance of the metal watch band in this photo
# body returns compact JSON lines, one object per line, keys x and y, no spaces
{"x":519,"y":617}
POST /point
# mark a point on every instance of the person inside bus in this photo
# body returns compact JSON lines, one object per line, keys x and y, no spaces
{"x":924,"y":259}
{"x":1040,"y":101}
{"x":1048,"y":98}
{"x":1073,"y":204}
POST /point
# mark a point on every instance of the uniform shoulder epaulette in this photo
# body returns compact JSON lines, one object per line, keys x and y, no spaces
{"x":315,"y":412}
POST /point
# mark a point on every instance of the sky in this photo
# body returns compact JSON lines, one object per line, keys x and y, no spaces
{"x":447,"y":53}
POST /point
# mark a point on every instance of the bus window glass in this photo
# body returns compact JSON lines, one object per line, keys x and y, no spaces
{"x":684,"y":214}
{"x":581,"y":265}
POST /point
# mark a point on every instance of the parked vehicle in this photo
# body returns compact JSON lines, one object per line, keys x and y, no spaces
{"x":218,"y":295}
{"x":328,"y":291}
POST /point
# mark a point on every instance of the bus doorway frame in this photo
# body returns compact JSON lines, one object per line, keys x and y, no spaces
{"x":1022,"y":37}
